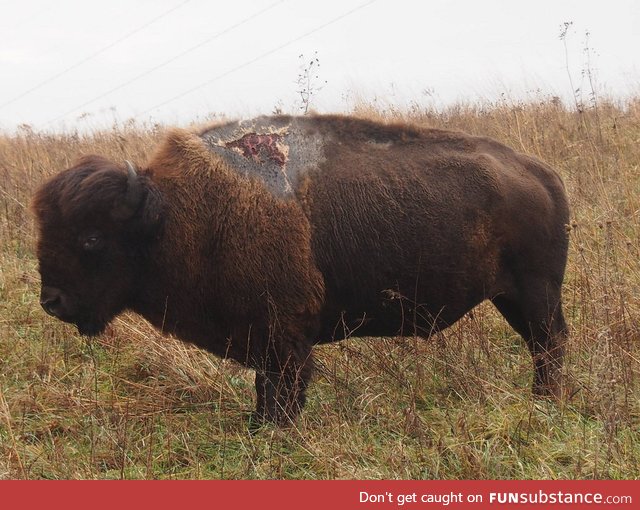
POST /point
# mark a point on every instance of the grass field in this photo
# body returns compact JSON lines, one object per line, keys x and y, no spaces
{"x":133,"y":404}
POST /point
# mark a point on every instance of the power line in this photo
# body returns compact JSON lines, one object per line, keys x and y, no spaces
{"x":256,"y":59}
{"x":169,"y":61}
{"x":92,"y":56}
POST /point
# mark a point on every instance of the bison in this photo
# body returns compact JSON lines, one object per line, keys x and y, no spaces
{"x":256,"y":240}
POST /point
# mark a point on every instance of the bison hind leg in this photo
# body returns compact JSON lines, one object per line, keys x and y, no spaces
{"x":536,"y":314}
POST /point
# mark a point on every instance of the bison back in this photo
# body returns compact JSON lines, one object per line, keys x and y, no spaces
{"x":412,"y":230}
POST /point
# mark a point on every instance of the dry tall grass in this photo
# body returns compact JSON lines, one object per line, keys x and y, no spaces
{"x":133,"y":404}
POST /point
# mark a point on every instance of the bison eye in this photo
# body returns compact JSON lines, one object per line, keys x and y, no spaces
{"x":91,"y":242}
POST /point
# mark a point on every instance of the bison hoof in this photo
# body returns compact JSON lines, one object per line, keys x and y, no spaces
{"x":255,"y":423}
{"x":257,"y":420}
{"x":550,"y":391}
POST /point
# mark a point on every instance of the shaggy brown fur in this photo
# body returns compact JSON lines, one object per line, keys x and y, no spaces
{"x":390,"y":229}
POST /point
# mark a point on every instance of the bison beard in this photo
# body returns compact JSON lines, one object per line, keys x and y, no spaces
{"x":255,"y":240}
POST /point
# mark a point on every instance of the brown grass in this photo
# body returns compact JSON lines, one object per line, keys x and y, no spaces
{"x":133,"y":404}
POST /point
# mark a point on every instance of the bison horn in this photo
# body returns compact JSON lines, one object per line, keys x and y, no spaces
{"x":126,"y":207}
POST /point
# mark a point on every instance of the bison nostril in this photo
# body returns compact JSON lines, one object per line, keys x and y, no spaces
{"x":52,"y":302}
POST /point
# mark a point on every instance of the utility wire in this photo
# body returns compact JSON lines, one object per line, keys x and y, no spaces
{"x":92,"y":56}
{"x":169,"y":61}
{"x":256,"y":59}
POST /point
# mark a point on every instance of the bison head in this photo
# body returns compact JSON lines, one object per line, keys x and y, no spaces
{"x":97,"y":222}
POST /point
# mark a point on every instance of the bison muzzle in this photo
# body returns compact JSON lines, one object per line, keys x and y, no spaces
{"x":256,"y":240}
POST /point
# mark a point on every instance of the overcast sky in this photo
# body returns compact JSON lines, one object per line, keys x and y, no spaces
{"x":80,"y":63}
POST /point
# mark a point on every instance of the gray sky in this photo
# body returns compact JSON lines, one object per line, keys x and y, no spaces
{"x":86,"y":64}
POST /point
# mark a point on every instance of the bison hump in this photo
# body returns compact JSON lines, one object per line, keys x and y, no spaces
{"x":276,"y":150}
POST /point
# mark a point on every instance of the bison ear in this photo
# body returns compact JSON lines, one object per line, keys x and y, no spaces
{"x":140,"y":206}
{"x":148,"y":221}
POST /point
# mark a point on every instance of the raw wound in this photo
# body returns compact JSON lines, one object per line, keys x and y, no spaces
{"x":257,"y":147}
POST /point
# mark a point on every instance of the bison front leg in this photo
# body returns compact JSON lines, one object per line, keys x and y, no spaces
{"x":281,"y":382}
